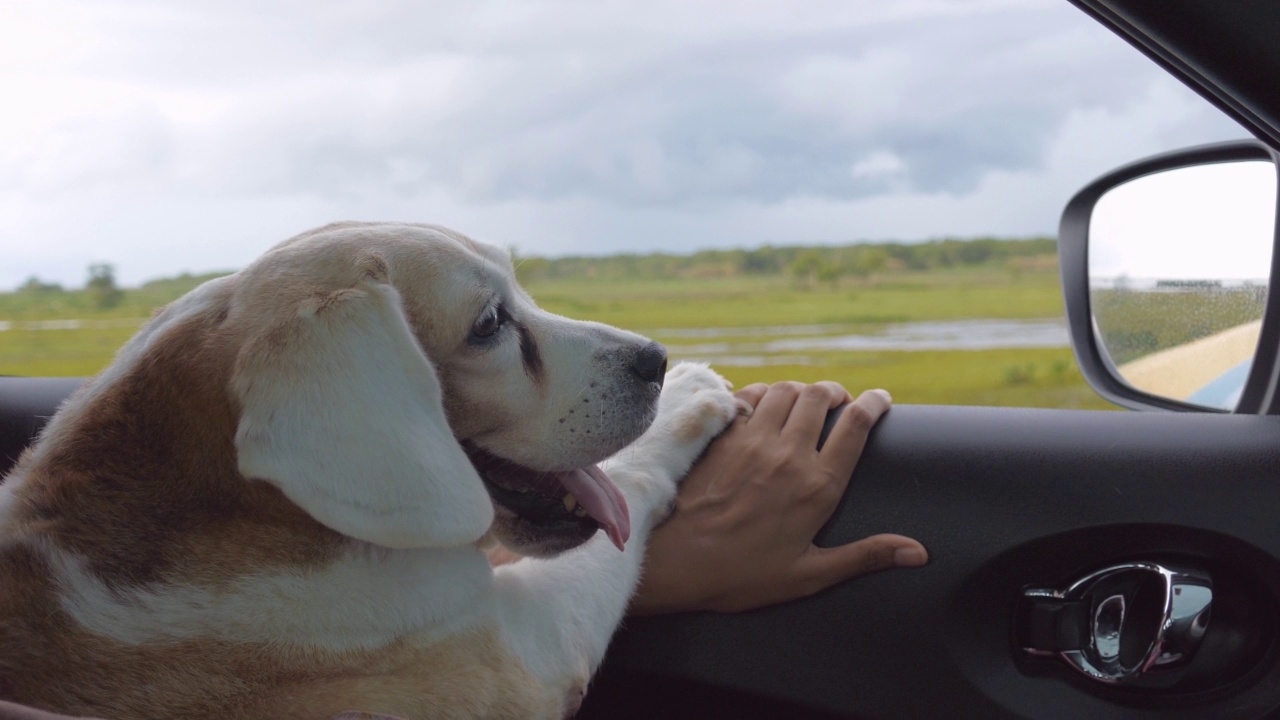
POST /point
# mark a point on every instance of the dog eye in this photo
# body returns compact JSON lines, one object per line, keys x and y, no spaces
{"x":489,"y":324}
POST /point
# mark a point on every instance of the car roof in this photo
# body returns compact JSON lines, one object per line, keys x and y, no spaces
{"x":1226,"y":51}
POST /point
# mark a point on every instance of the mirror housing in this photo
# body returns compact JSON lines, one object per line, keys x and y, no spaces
{"x":1136,"y":298}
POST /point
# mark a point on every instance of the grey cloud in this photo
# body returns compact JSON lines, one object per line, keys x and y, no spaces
{"x":688,"y":124}
{"x":336,"y":99}
{"x":127,"y":144}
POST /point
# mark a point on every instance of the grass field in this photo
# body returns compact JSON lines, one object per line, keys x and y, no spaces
{"x":1035,"y":377}
{"x":1135,"y":323}
{"x":667,"y":309}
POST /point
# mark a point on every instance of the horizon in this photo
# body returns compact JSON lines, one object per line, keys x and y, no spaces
{"x":521,"y":257}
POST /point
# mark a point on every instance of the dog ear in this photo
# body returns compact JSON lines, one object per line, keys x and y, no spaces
{"x":342,"y":410}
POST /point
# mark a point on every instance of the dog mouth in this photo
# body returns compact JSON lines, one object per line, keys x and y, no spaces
{"x":563,"y":508}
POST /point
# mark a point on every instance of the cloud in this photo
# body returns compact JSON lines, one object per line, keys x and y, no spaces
{"x":191,"y":136}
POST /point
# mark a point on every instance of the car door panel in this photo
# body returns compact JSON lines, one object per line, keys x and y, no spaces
{"x":25,"y":405}
{"x":1005,"y":499}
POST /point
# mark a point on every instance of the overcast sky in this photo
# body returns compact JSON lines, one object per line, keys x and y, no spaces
{"x":166,"y":137}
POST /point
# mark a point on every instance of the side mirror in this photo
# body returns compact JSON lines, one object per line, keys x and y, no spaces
{"x":1166,"y":265}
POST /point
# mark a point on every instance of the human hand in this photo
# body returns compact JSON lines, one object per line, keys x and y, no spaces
{"x":741,"y":536}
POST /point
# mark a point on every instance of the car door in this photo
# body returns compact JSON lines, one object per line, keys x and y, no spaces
{"x":1020,"y":509}
{"x":1041,"y":525}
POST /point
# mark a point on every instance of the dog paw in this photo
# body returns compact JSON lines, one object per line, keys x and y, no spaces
{"x":696,"y":405}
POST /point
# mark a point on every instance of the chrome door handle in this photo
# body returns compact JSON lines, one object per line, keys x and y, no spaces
{"x":1122,"y":623}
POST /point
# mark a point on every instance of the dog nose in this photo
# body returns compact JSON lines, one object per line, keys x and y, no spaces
{"x":650,"y":363}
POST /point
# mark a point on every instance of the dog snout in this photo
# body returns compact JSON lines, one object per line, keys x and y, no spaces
{"x":650,"y":362}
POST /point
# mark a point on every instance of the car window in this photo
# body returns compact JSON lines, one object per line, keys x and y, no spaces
{"x":861,"y":191}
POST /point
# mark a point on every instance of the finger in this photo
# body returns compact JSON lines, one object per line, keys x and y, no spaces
{"x":848,"y":436}
{"x":774,"y":408}
{"x":752,"y":393}
{"x":804,"y":425}
{"x":821,"y":568}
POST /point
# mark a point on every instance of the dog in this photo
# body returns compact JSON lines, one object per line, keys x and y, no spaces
{"x":275,"y":502}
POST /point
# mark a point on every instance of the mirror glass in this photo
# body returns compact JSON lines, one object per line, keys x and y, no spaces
{"x":1179,"y":262}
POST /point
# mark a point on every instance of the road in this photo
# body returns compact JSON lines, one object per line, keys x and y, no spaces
{"x":1180,"y":372}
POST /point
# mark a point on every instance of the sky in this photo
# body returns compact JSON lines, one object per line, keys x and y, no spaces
{"x":1161,"y":226}
{"x":189,"y":137}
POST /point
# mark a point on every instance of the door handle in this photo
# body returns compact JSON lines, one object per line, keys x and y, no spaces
{"x":1124,"y":624}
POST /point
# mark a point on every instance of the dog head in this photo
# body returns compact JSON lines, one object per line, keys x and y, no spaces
{"x":398,"y":385}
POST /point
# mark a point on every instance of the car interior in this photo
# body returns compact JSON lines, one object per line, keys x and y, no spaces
{"x":1083,"y":563}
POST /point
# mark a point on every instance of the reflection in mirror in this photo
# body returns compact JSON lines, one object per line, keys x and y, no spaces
{"x":1178,"y":269}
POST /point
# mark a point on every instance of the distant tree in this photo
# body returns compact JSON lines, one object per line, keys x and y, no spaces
{"x":808,"y":265}
{"x":812,"y":266}
{"x":761,"y":261}
{"x":101,"y":286}
{"x":976,"y":252}
{"x":829,"y":272}
{"x":870,"y":260}
{"x":36,"y":286}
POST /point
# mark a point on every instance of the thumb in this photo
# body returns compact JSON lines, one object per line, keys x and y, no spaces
{"x":828,"y":566}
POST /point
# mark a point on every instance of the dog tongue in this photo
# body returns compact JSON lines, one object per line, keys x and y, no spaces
{"x":593,"y":490}
{"x":601,"y":499}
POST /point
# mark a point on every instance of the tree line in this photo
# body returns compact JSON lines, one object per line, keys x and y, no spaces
{"x":101,"y":293}
{"x":810,"y":264}
{"x":100,"y":288}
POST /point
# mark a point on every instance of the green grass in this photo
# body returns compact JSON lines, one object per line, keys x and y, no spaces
{"x":1036,"y":377}
{"x":137,"y":302}
{"x":772,"y":300}
{"x":1013,"y":378}
{"x":1019,"y":377}
{"x":1136,"y":323}
{"x":67,"y":353}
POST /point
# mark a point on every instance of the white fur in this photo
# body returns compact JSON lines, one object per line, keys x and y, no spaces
{"x":348,"y":422}
{"x":365,"y":600}
{"x":559,"y":614}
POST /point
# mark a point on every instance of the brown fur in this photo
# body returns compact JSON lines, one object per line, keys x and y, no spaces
{"x":148,"y":476}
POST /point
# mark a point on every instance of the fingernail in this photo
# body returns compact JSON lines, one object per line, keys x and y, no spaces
{"x":909,"y":557}
{"x":885,"y":393}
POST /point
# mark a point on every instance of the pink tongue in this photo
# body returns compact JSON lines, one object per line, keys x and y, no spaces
{"x":601,"y":499}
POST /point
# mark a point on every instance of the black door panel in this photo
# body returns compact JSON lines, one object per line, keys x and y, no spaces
{"x":1004,"y":500}
{"x":25,"y":405}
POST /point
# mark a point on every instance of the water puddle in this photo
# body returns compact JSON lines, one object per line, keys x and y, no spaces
{"x":792,"y":341}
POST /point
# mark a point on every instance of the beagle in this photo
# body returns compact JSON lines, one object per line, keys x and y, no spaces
{"x":274,"y":503}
